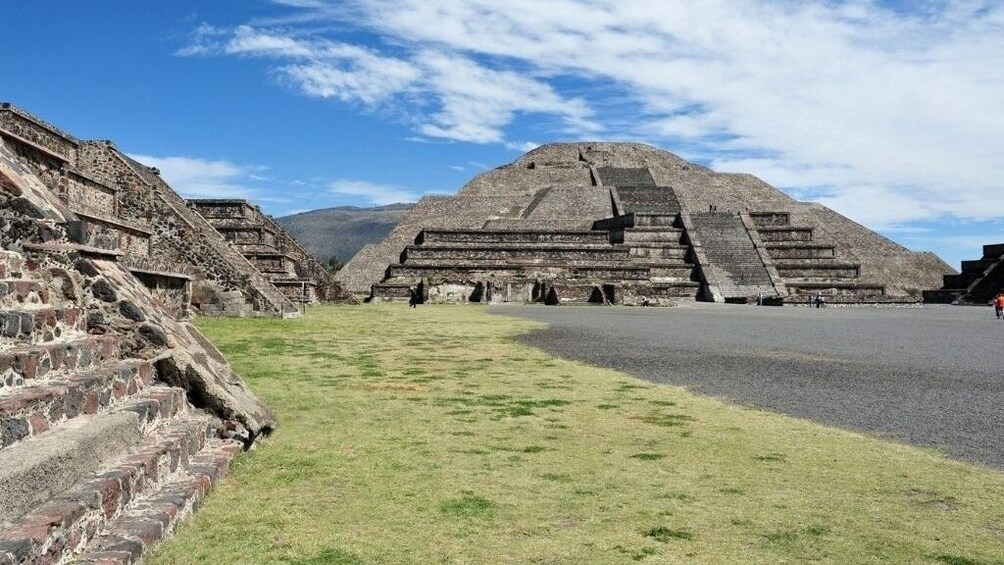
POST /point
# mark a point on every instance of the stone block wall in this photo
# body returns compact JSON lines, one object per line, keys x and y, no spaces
{"x":100,"y":160}
{"x":37,"y":132}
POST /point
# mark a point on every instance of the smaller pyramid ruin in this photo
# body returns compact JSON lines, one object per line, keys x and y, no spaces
{"x":264,"y":243}
{"x":117,"y":416}
{"x":627,"y":223}
{"x":126,"y":208}
{"x":978,"y":283}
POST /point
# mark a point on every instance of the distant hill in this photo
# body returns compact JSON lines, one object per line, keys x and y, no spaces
{"x":342,"y":231}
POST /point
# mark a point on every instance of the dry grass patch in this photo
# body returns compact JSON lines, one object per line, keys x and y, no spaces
{"x":429,"y":436}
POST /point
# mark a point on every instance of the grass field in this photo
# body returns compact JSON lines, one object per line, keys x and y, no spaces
{"x":429,"y":436}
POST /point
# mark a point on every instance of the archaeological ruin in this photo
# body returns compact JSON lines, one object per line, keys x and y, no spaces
{"x":116,"y":415}
{"x":631,"y":224}
{"x":125,"y":206}
{"x":978,"y":283}
{"x":300,"y":277}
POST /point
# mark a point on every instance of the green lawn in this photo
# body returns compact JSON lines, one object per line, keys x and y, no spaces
{"x":429,"y":436}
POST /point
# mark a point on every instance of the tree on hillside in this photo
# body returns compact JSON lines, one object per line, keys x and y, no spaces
{"x":334,"y":265}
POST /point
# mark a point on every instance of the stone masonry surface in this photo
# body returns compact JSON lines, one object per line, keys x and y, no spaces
{"x":116,"y":416}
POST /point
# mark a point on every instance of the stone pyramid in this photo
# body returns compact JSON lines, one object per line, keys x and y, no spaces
{"x":631,"y":224}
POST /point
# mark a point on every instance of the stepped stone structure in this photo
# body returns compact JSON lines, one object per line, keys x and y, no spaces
{"x":272,"y":251}
{"x":978,"y":283}
{"x":631,"y":224}
{"x":116,"y":416}
{"x":124,"y":206}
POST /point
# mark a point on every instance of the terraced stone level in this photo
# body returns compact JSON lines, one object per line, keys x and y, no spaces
{"x":810,"y":268}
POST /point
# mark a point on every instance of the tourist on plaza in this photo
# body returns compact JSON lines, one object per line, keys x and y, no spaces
{"x":412,"y":297}
{"x":999,"y":304}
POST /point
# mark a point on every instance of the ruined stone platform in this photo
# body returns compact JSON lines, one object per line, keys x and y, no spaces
{"x":116,"y":415}
{"x":272,"y":251}
{"x":125,"y":208}
{"x":978,"y":283}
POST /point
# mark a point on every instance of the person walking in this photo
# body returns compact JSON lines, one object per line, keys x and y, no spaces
{"x":999,"y":304}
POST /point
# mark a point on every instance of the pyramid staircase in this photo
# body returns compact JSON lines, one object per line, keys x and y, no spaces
{"x":809,"y":267}
{"x":99,"y":459}
{"x":731,"y":257}
{"x":649,"y":225}
{"x":978,"y":283}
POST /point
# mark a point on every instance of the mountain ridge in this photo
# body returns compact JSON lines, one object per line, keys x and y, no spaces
{"x":341,"y":231}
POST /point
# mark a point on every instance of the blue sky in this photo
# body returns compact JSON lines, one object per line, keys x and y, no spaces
{"x":888,"y":112}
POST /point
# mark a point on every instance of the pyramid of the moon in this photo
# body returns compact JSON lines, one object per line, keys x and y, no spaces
{"x":628,"y":223}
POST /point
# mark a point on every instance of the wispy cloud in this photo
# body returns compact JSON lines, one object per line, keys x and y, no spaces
{"x":888,"y":114}
{"x":194,"y":177}
{"x":374,"y":193}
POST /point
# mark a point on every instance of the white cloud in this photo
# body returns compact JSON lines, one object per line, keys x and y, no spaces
{"x":889,"y":116}
{"x":204,"y":178}
{"x":375,"y":193}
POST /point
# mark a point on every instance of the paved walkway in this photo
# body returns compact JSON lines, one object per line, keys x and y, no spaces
{"x":930,"y":376}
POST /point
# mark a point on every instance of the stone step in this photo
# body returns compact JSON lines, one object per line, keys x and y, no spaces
{"x":670,"y":272}
{"x":762,"y":219}
{"x":976,"y":267}
{"x":665,"y":289}
{"x":770,"y":234}
{"x":428,"y":237}
{"x":993,"y":251}
{"x":642,"y":219}
{"x":41,"y":468}
{"x":943,"y":296}
{"x":639,"y":235}
{"x":420,"y":254}
{"x":17,"y":293}
{"x":800,"y":250}
{"x":128,"y":538}
{"x":807,"y":288}
{"x":414,"y":273}
{"x":639,"y":177}
{"x":61,"y":528}
{"x":26,"y":364}
{"x":662,"y":250}
{"x":818,"y":269}
{"x":32,"y":410}
{"x":399,"y":292}
{"x":40,"y":325}
{"x":401,"y":274}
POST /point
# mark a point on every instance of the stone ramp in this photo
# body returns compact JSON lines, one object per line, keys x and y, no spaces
{"x":978,"y":283}
{"x":733,"y":260}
